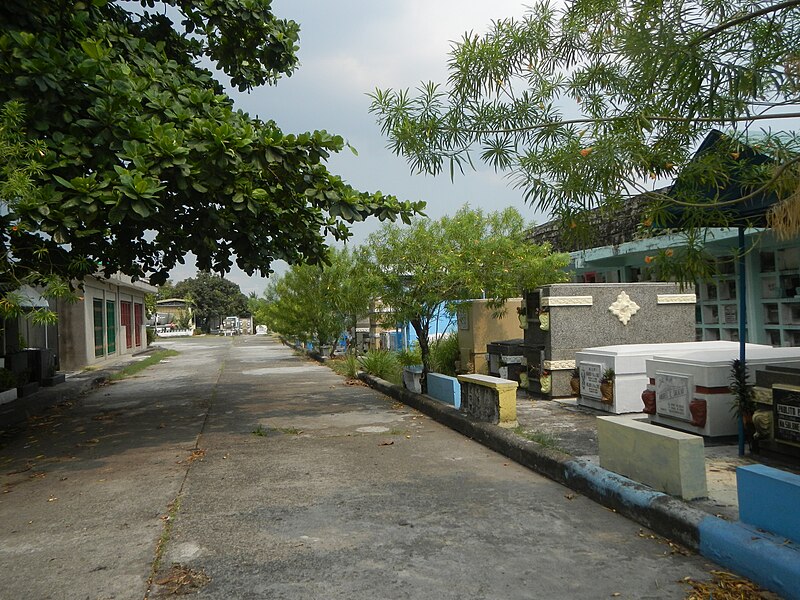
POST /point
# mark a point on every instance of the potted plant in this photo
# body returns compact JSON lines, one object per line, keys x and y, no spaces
{"x":607,"y":386}
{"x":575,"y":381}
{"x":744,"y":404}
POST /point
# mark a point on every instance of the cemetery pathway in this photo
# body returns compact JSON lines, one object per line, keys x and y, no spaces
{"x":259,"y":474}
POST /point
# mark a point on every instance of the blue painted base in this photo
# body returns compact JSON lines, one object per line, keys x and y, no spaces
{"x":444,"y":388}
{"x":769,"y":499}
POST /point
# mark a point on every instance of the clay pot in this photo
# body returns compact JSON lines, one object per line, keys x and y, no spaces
{"x":545,"y":382}
{"x":699,"y":411}
{"x":544,"y":321}
{"x":607,"y":392}
{"x":575,"y":385}
{"x":649,"y":400}
{"x":762,"y":421}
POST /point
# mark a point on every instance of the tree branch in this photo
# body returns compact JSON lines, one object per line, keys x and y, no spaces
{"x":587,"y":121}
{"x":739,"y":20}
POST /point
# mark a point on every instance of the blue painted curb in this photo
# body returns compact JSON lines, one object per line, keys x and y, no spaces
{"x":771,"y":563}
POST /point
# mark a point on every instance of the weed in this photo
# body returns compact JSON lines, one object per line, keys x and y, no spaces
{"x":290,"y":430}
{"x":260,"y":431}
{"x":161,"y":545}
{"x":397,"y":431}
{"x":135,"y":368}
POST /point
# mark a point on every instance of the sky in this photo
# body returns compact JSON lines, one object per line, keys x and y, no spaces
{"x":349,"y":48}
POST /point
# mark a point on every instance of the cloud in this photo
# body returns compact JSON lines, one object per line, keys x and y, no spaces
{"x":347,"y":49}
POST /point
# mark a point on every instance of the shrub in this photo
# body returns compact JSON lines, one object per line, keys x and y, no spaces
{"x":7,"y":380}
{"x":444,"y":354}
{"x":383,"y":364}
{"x":410,"y":357}
{"x":347,"y":366}
{"x":151,"y":335}
{"x":351,"y":366}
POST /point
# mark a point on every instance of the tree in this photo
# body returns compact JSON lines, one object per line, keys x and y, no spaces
{"x":166,"y":290}
{"x":213,"y":298}
{"x":20,"y":265}
{"x":318,"y":303}
{"x":588,"y":104}
{"x":144,"y":157}
{"x":468,"y":255}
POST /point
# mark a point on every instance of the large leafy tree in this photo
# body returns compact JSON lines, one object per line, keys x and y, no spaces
{"x":145,"y":158}
{"x":468,"y":255}
{"x":213,"y":298}
{"x":319,"y":303}
{"x":587,"y":103}
{"x":19,"y":165}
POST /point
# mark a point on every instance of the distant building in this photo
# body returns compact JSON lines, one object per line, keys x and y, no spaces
{"x":171,"y":311}
{"x":108,"y":321}
{"x":772,"y":271}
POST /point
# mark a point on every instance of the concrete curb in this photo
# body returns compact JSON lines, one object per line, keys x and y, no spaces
{"x":770,"y":563}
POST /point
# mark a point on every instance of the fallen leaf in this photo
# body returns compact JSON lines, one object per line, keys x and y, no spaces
{"x":726,"y":586}
{"x":52,"y":499}
{"x":28,"y":467}
{"x":181,"y":580}
{"x":388,"y":443}
{"x":196,"y":454}
{"x":569,"y":496}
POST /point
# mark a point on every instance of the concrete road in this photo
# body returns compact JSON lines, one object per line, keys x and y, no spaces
{"x":264,"y":475}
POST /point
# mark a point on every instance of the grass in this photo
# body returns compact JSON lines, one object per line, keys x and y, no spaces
{"x":548,"y":440}
{"x":166,"y":532}
{"x":262,"y":431}
{"x":135,"y":368}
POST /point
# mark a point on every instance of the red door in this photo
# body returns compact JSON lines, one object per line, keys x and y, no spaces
{"x":125,"y":321}
{"x":138,"y":321}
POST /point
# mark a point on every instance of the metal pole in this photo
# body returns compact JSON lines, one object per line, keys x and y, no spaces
{"x":742,"y":326}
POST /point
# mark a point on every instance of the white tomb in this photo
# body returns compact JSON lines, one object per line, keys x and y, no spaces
{"x":679,"y":381}
{"x":629,"y":364}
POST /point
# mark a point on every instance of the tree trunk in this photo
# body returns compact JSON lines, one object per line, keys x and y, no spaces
{"x":425,"y":350}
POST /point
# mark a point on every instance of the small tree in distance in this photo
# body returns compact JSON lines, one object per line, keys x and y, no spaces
{"x":213,"y":297}
{"x":317,"y":304}
{"x":469,"y":255}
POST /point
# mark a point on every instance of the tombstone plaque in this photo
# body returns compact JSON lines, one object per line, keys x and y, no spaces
{"x":673,"y":394}
{"x":786,"y":407}
{"x":591,"y":373}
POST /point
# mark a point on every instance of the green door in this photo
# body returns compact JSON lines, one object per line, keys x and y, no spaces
{"x":97,"y":313}
{"x":111,"y":327}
